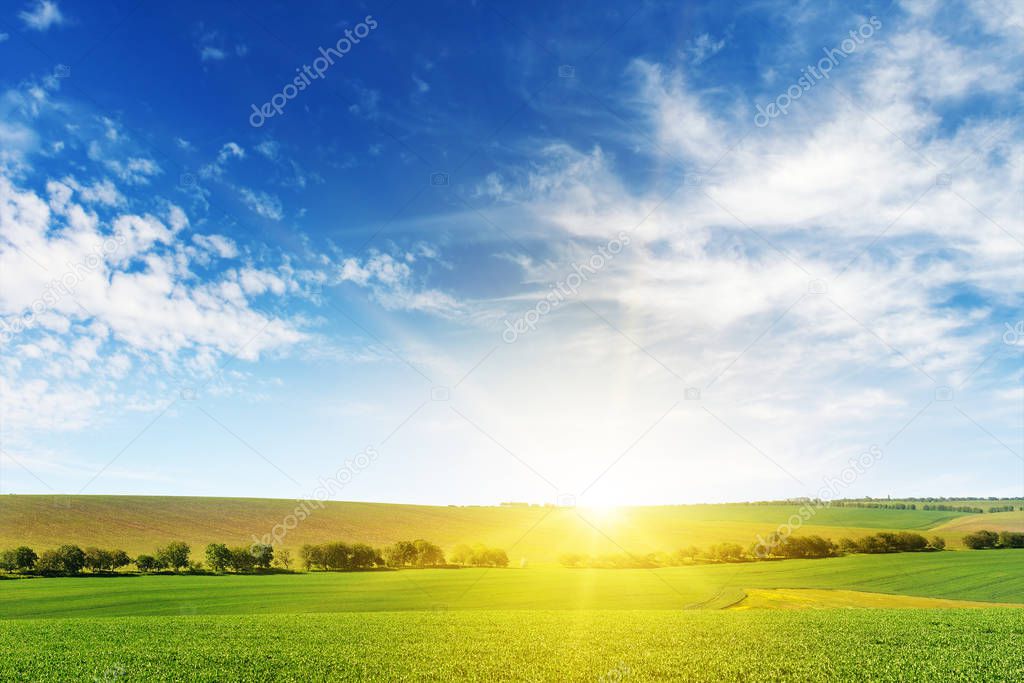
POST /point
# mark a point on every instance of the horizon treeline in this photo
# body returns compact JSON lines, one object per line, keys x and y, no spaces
{"x":69,"y":559}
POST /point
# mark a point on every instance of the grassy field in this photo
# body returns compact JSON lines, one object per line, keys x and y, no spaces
{"x":991,"y":576}
{"x":140,"y":523}
{"x":826,"y":645}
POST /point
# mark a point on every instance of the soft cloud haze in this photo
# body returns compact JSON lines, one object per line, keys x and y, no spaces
{"x":708,"y":304}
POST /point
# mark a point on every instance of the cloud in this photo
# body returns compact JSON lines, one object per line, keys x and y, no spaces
{"x":818,"y":279}
{"x":703,"y":47}
{"x":86,"y":296}
{"x":394,"y":284}
{"x":42,"y":15}
{"x":263,"y":203}
{"x":223,"y":247}
{"x":208,"y":53}
{"x":212,"y":46}
{"x":227,"y":152}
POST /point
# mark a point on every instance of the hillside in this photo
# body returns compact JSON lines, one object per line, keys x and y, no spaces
{"x":140,"y":523}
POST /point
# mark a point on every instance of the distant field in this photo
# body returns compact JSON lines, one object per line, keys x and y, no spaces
{"x":538,"y":535}
{"x":1002,"y":521}
{"x":827,"y":645}
{"x":990,"y":576}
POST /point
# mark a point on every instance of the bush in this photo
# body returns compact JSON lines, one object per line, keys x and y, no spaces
{"x":1011,"y":539}
{"x":979,"y":540}
{"x":937,"y":543}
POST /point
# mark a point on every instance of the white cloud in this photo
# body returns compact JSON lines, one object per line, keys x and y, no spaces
{"x":262,"y":203}
{"x":208,"y":53}
{"x":223,"y":247}
{"x":83,"y":296}
{"x":703,"y":47}
{"x":394,"y":284}
{"x":42,"y":15}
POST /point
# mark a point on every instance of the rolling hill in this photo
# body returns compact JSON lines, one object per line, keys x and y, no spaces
{"x":534,"y":533}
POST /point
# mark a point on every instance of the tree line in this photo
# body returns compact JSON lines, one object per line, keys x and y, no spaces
{"x":981,"y":540}
{"x":957,"y":508}
{"x":419,"y":553}
{"x":775,"y":547}
{"x":70,"y":559}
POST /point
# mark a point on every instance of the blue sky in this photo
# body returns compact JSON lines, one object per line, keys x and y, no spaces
{"x":654,"y":253}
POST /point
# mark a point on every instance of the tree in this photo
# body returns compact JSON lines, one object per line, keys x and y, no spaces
{"x":400,"y":554}
{"x":566,"y":559}
{"x":312,"y":556}
{"x":20,"y":559}
{"x":848,"y":545}
{"x":241,"y":560}
{"x":262,"y":554}
{"x":496,"y":557}
{"x":365,"y":557}
{"x":218,"y":557}
{"x":427,"y":554}
{"x":283,"y":558}
{"x":99,"y":560}
{"x":67,"y":559}
{"x":147,"y":563}
{"x":462,"y":554}
{"x":981,"y":539}
{"x":937,"y":543}
{"x":119,"y":558}
{"x":1011,"y":539}
{"x":174,"y":555}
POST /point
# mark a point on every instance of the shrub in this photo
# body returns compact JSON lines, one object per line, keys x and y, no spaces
{"x":1011,"y":539}
{"x":981,"y":539}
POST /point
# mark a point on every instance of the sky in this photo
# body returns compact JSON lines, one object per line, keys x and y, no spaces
{"x":466,"y":253}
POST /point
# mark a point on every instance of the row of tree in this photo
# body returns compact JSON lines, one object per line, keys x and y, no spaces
{"x":980,"y":540}
{"x":66,"y":559}
{"x":337,"y":556}
{"x":872,"y":504}
{"x":956,"y":508}
{"x":479,"y":555}
{"x":418,"y":553}
{"x":776,"y":546}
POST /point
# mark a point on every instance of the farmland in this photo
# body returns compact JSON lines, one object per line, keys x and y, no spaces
{"x":140,"y":523}
{"x":878,"y":645}
{"x":930,"y":616}
{"x":989,"y":576}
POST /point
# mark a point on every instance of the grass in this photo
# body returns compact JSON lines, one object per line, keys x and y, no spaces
{"x":991,"y":576}
{"x":139,"y":524}
{"x":812,"y":598}
{"x":827,"y":645}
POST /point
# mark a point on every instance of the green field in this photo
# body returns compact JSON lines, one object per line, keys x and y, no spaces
{"x":857,"y":617}
{"x":828,"y":645}
{"x":139,"y":524}
{"x":991,"y":576}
